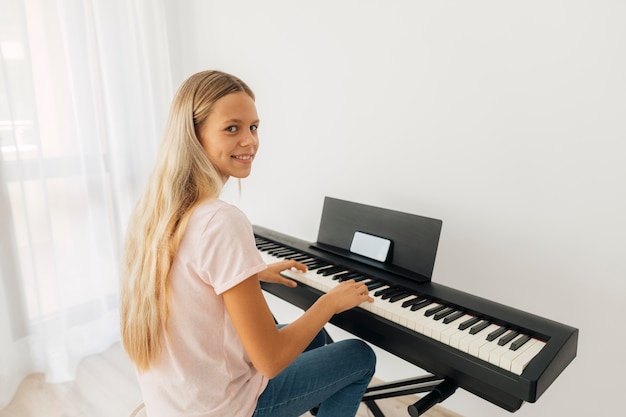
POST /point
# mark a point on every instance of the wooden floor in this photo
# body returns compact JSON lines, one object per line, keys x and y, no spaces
{"x":106,"y":387}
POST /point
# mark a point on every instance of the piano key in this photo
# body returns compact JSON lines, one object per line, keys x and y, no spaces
{"x":278,"y":252}
{"x":507,"y":337}
{"x":496,"y":333}
{"x":267,"y":246}
{"x":316,"y":264}
{"x":411,"y":314}
{"x":394,"y":312}
{"x":408,"y":316}
{"x":486,"y":349}
{"x":456,"y":337}
{"x":343,"y":276}
{"x":480,"y":326}
{"x":480,"y":340}
{"x":383,"y":291}
{"x":399,"y":297}
{"x":452,"y":334}
{"x":393,"y":293}
{"x":436,"y":309}
{"x":444,"y":313}
{"x":465,"y":342}
{"x":300,"y":258}
{"x":331,"y":270}
{"x":519,"y":363}
{"x":375,"y":306}
{"x":453,"y":317}
{"x":372,"y":285}
{"x":468,"y":323}
{"x":424,"y":325}
{"x":412,"y":301}
{"x":496,"y":354}
{"x":421,"y":304}
{"x":506,"y":360}
{"x":360,"y":278}
{"x":519,"y":342}
{"x":441,"y":331}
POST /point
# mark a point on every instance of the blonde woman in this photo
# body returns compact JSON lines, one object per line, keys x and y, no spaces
{"x":194,"y":320}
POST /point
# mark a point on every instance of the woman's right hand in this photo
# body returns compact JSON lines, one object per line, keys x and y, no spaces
{"x":347,"y":295}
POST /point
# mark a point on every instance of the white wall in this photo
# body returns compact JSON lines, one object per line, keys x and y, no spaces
{"x":507,"y":120}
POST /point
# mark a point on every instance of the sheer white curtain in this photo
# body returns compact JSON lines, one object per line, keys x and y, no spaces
{"x":84,"y":90}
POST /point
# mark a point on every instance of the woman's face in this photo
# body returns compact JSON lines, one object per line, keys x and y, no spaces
{"x":229,"y":135}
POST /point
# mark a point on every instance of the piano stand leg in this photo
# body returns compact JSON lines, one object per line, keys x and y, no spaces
{"x":439,"y":389}
{"x":376,"y":412}
{"x":437,"y":395}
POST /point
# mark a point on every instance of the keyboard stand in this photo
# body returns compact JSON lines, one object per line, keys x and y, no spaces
{"x":439,"y":389}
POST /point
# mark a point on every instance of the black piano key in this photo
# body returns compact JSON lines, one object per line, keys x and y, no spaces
{"x":434,"y":310}
{"x":444,"y":313}
{"x":360,"y":278}
{"x":495,"y":334}
{"x":412,"y":301}
{"x":291,"y":256}
{"x":399,"y":297}
{"x":383,"y":291}
{"x":279,"y":252}
{"x":333,"y":271}
{"x":507,"y":338}
{"x":267,"y":246}
{"x":390,"y":294}
{"x":316,"y":264}
{"x":346,"y":275}
{"x":479,"y":327}
{"x":349,"y":277}
{"x":372,"y":285}
{"x":454,"y":316}
{"x":324,"y":268}
{"x":519,"y":342}
{"x":301,"y":257}
{"x":421,"y":304}
{"x":468,"y":323}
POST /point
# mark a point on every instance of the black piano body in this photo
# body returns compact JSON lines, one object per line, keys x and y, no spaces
{"x":498,"y":386}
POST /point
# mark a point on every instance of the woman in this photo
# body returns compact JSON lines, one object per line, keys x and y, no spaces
{"x":194,"y":320}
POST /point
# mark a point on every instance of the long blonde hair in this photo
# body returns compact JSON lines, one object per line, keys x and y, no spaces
{"x":182,"y":176}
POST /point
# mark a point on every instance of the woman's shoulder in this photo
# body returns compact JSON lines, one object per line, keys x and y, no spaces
{"x":215,"y":206}
{"x":216,"y":210}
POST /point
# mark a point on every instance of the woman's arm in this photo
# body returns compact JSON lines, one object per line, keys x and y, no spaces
{"x":270,"y":349}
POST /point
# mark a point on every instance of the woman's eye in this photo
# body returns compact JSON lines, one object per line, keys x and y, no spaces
{"x":254,"y":128}
{"x":231,"y":129}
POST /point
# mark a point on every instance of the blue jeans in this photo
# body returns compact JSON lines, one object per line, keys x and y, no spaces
{"x":333,"y":376}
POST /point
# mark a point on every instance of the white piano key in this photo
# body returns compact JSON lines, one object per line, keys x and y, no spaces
{"x":485,"y":350}
{"x":519,"y":363}
{"x":507,"y":359}
{"x":394,"y":311}
{"x":476,"y":344}
{"x":466,"y":341}
{"x":456,"y":338}
{"x":442,"y":331}
{"x":422,"y":324}
{"x":406,"y":315}
{"x":496,"y":354}
{"x":449,"y":334}
{"x":375,"y":306}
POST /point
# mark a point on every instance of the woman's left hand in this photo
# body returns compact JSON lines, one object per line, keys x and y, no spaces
{"x":272,"y":273}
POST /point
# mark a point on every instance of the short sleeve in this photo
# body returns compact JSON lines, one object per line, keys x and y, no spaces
{"x":227,"y":252}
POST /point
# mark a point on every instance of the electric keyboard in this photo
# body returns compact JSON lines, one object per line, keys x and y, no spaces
{"x":499,"y":353}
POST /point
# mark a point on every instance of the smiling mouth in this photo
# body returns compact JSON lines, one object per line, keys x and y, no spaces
{"x":243,"y":157}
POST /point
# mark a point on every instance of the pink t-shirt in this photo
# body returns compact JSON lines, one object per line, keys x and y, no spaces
{"x":203,"y":370}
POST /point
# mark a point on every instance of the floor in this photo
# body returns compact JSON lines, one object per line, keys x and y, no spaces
{"x":106,"y":387}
